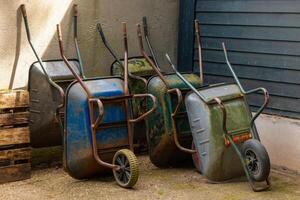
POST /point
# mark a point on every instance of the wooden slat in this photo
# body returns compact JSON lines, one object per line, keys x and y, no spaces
{"x":254,"y":72}
{"x":250,"y":19}
{"x":255,"y":6}
{"x":12,"y":99}
{"x":15,"y":173}
{"x":252,"y":46}
{"x":250,"y":32}
{"x":274,"y":62}
{"x":11,"y":136}
{"x":18,"y":118}
{"x":15,"y":154}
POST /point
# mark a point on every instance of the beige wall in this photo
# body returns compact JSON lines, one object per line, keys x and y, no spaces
{"x":17,"y":56}
{"x":281,"y":137}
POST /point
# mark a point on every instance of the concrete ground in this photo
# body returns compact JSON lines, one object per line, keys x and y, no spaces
{"x":154,"y":183}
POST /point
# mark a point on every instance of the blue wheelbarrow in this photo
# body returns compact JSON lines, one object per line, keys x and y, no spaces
{"x":225,"y":138}
{"x":98,"y":125}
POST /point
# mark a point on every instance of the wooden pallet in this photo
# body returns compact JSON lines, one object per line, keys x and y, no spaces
{"x":15,"y":152}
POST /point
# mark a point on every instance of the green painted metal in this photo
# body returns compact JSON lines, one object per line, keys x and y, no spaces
{"x":140,"y":67}
{"x":220,"y":162}
{"x":162,"y":148}
{"x":136,"y":65}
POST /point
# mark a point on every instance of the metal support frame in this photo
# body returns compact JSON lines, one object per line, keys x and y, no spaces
{"x":169,"y":91}
{"x":114,"y":54}
{"x":95,"y":122}
{"x":223,"y":109}
{"x":145,"y":26}
{"x":75,"y":20}
{"x":50,"y":81}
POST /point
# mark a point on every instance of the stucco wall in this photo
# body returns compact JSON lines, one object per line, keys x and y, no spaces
{"x":16,"y":55}
{"x":281,"y":137}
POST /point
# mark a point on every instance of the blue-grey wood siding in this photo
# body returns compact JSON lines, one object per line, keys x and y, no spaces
{"x":263,"y":42}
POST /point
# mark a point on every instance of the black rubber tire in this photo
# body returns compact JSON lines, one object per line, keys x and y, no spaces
{"x":130,"y":165}
{"x":257,"y":160}
{"x":196,"y":159}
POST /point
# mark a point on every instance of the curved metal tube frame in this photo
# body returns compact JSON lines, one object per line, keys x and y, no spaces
{"x":236,"y":149}
{"x":173,"y":114}
{"x":152,"y":64}
{"x":75,"y":16}
{"x":265,"y":92}
{"x":91,"y":101}
{"x":145,"y":26}
{"x":114,"y":54}
{"x":169,"y":91}
{"x":143,"y":116}
{"x":96,"y":122}
{"x":224,"y":118}
{"x":50,"y":81}
{"x":197,"y":30}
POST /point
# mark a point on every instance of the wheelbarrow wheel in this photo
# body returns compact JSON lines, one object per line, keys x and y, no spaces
{"x":128,"y":173}
{"x":196,"y":159}
{"x":257,"y":160}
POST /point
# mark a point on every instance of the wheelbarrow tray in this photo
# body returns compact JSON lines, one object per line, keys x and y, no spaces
{"x":217,"y":161}
{"x":140,"y":67}
{"x":111,"y":135}
{"x":162,"y":148}
{"x":44,"y":99}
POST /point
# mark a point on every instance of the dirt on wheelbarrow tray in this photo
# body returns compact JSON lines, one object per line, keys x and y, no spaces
{"x":154,"y":183}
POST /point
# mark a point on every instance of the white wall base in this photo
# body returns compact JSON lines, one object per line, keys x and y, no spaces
{"x":281,"y":137}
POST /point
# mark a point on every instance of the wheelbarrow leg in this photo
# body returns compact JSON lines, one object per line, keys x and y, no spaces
{"x":238,"y":152}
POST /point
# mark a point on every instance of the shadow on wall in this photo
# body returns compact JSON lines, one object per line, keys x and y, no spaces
{"x":18,"y":48}
{"x":16,"y":54}
{"x":85,"y":22}
{"x":96,"y":58}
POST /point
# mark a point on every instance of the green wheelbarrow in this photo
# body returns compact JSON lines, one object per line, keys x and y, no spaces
{"x":168,"y":131}
{"x":140,"y":71}
{"x":226,"y":141}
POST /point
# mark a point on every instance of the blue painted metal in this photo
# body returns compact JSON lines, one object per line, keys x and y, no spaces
{"x":186,"y":35}
{"x":80,"y":161}
{"x":262,"y":38}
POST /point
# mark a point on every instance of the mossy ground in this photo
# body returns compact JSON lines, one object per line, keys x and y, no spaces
{"x":154,"y":183}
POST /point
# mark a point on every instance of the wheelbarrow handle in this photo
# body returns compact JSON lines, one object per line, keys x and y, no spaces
{"x":23,"y":9}
{"x":149,"y":111}
{"x":75,"y":10}
{"x":259,"y":111}
{"x":197,"y":31}
{"x":266,"y":100}
{"x":101,"y":112}
{"x":51,"y":82}
{"x":114,"y":54}
{"x":145,"y":26}
{"x":179,"y":99}
{"x":224,"y":115}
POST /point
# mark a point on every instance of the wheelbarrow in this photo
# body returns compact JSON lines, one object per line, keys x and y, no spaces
{"x":169,"y":133}
{"x":47,"y":82}
{"x":139,"y":70}
{"x":97,"y":125}
{"x":225,"y":138}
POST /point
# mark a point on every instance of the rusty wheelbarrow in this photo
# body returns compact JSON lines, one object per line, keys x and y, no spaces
{"x":139,"y":71}
{"x":98,"y":125}
{"x":47,"y":82}
{"x":169,"y":135}
{"x":225,"y":138}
